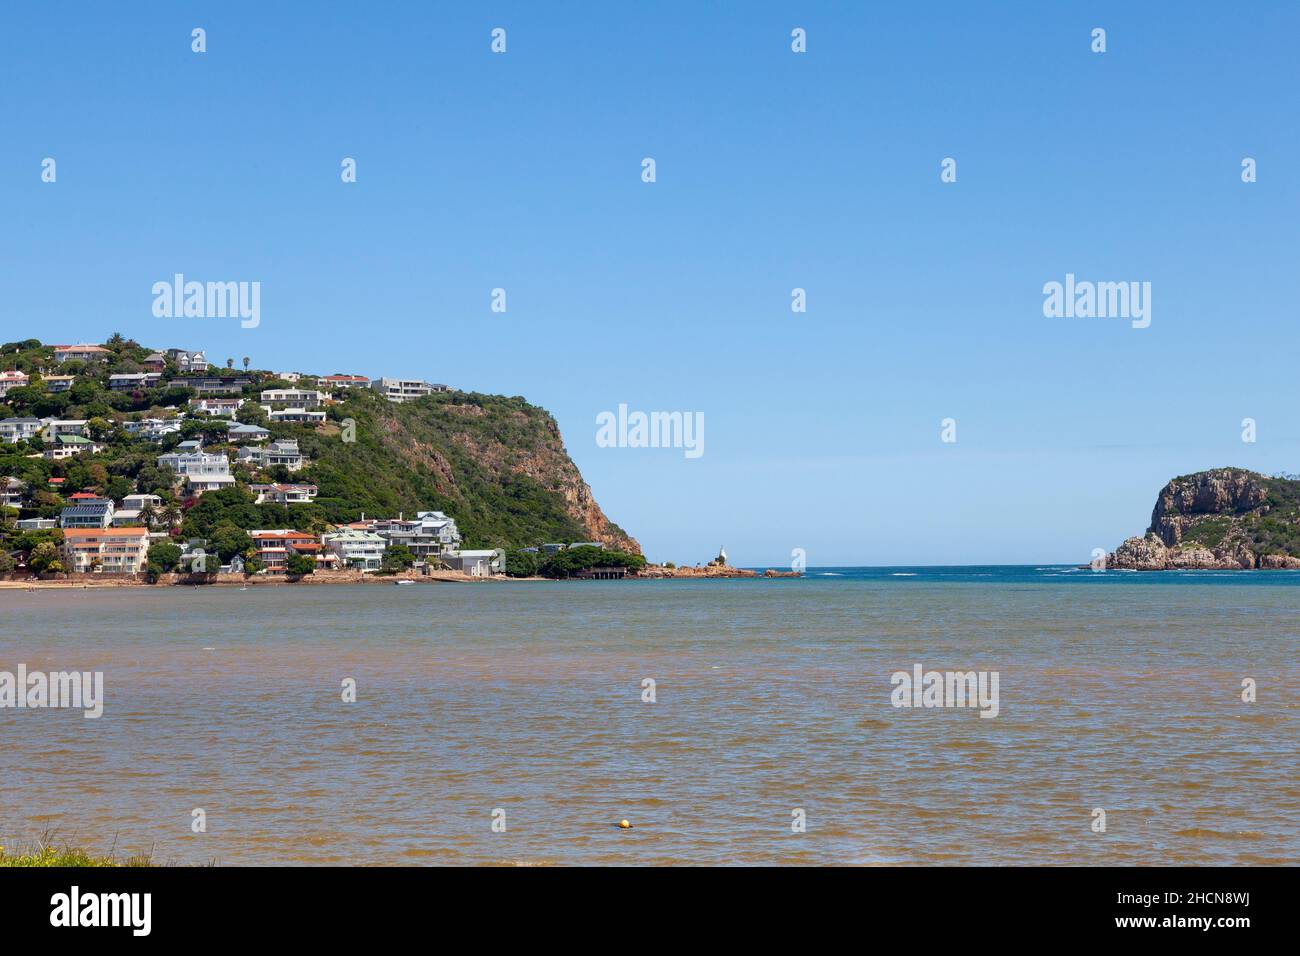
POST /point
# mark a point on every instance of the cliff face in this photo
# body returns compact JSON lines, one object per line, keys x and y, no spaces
{"x":497,"y":464}
{"x":1226,"y":518}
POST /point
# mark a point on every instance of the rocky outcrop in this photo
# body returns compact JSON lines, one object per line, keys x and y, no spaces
{"x":1223,"y":519}
{"x":698,"y":571}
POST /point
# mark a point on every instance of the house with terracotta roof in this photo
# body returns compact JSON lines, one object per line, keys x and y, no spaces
{"x":344,"y":381}
{"x":281,"y":494}
{"x":81,"y":353}
{"x":111,"y":550}
{"x":10,"y":380}
{"x":276,"y":545}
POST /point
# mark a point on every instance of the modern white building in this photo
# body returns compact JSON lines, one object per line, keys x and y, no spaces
{"x":130,"y":381}
{"x":19,"y":429}
{"x":307,"y":416}
{"x":479,"y":564}
{"x":297,"y":397}
{"x":405,"y":390}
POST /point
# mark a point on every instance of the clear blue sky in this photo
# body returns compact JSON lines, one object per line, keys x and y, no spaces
{"x":775,"y":170}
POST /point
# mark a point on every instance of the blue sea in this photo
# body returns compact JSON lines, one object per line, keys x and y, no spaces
{"x":1121,"y":699}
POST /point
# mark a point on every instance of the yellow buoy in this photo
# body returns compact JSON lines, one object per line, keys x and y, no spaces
{"x":624,"y":825}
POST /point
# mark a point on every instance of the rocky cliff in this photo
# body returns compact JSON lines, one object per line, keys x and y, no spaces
{"x":1226,"y":518}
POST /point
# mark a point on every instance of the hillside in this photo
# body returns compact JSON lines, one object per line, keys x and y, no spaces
{"x":1225,"y":518}
{"x":497,"y":465}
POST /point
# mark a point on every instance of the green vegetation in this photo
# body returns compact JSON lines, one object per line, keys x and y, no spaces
{"x":1208,"y":532}
{"x":67,"y":856}
{"x":564,"y":563}
{"x":1270,"y":526}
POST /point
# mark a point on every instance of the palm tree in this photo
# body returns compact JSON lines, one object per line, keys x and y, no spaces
{"x":230,"y":363}
{"x":245,"y":363}
{"x":148,"y":514}
{"x":171,"y":516}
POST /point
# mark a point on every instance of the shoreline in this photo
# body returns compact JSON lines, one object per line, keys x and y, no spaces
{"x":326,"y":578}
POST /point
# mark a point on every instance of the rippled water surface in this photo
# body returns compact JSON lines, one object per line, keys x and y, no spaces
{"x":1119,"y":692}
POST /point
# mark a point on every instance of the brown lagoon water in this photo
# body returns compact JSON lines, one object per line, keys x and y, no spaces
{"x":772,"y":695}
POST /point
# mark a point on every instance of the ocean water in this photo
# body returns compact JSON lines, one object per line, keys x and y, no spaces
{"x":1117,"y":691}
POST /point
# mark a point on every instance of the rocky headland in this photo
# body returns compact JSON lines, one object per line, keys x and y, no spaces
{"x":1222,"y":519}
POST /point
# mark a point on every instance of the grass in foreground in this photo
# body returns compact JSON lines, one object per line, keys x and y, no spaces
{"x":67,"y":856}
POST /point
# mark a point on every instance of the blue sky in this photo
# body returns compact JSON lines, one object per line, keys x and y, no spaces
{"x":774,"y":171}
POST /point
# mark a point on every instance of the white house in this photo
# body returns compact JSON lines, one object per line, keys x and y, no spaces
{"x":188,"y":361}
{"x":283,"y":494}
{"x":132,"y":505}
{"x":241,"y":432}
{"x":65,"y":446}
{"x":63,"y":426}
{"x":356,"y":548}
{"x":202,"y":472}
{"x":283,"y":451}
{"x":222,"y":407}
{"x":11,"y":492}
{"x":154,"y":429}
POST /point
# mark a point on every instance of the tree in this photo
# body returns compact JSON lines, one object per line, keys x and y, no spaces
{"x":164,"y":555}
{"x":171,"y":515}
{"x":397,"y":558}
{"x":98,"y":428}
{"x":44,"y":557}
{"x":148,"y":514}
{"x":521,"y":564}
{"x":245,"y":363}
{"x":228,"y":541}
{"x":300,"y":564}
{"x":230,"y":363}
{"x":7,"y":562}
